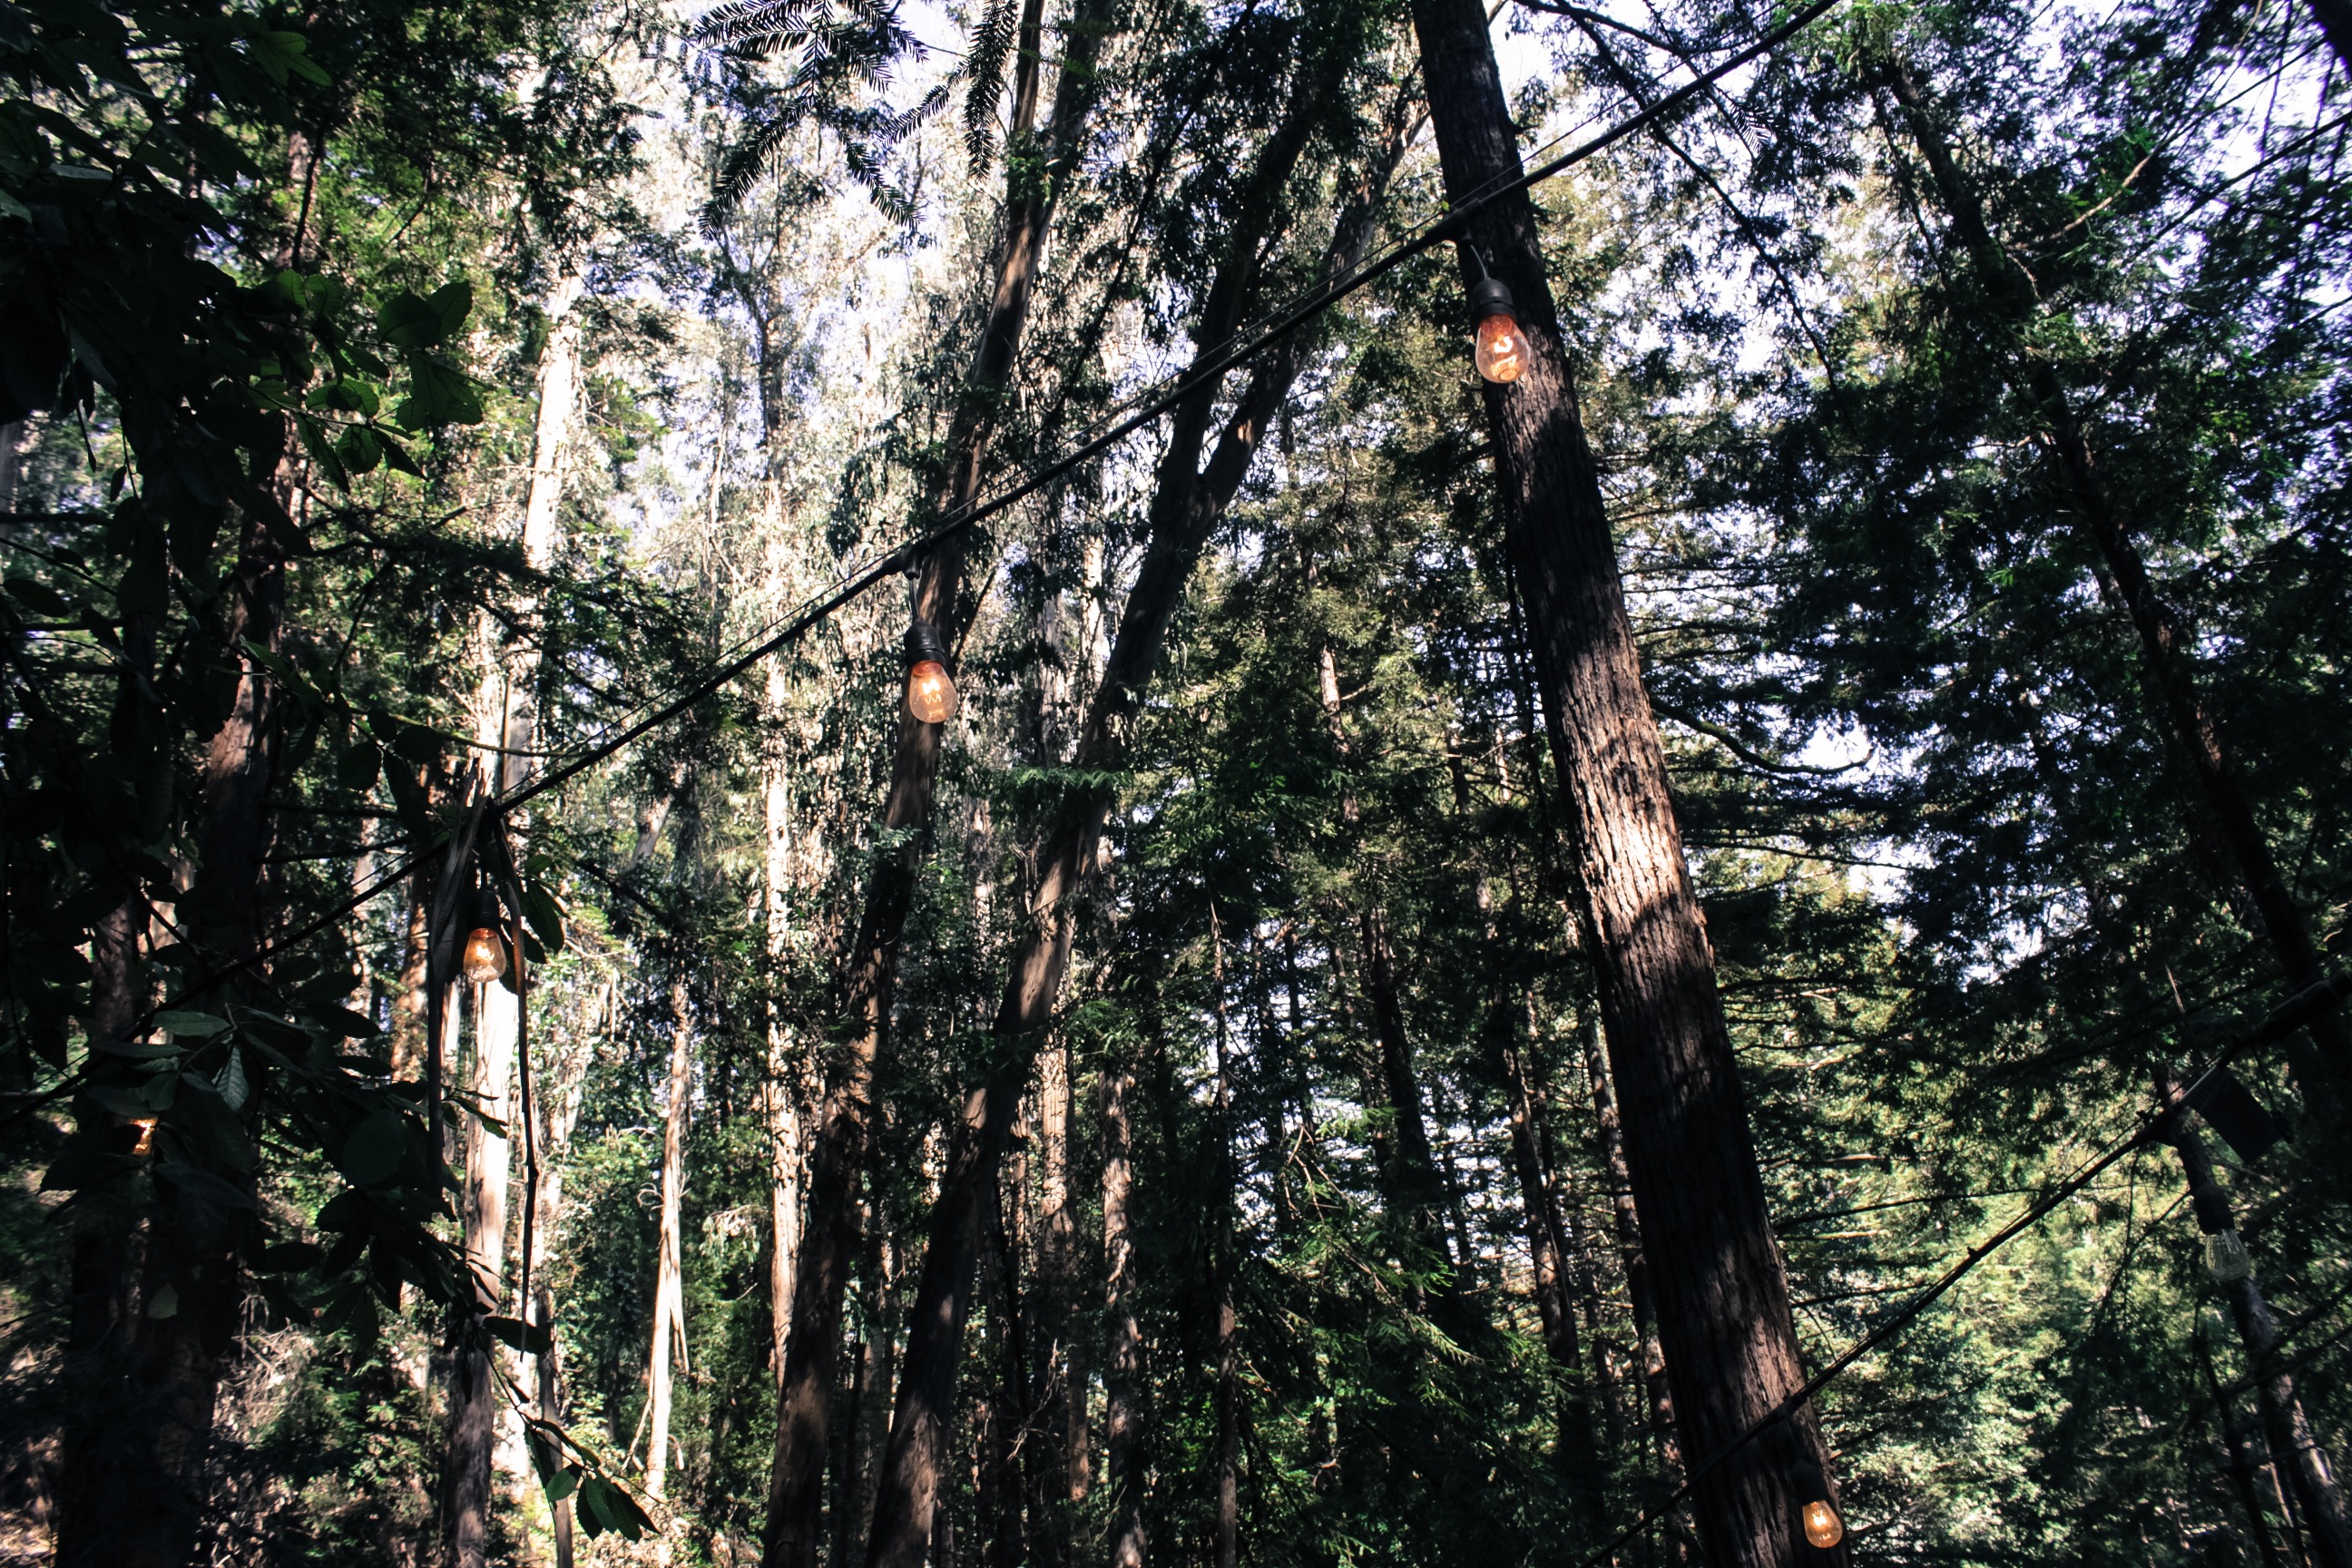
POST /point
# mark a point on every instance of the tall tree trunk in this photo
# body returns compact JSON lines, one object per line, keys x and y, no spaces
{"x":670,"y":1272}
{"x":2166,"y":647}
{"x":109,"y":1235}
{"x":1123,"y":1373}
{"x":1186,"y":503}
{"x":837,"y":1149}
{"x":1549,"y":1249}
{"x":474,"y":1403}
{"x":2293,"y":1443}
{"x":1414,"y":1188}
{"x":506,"y":725}
{"x":1058,"y":1470}
{"x":1225,"y":1265}
{"x":562,"y":1089}
{"x":2233,"y":1453}
{"x":1724,"y":1318}
{"x":1659,"y":1394}
{"x":140,"y":1499}
{"x":1002,"y":1423}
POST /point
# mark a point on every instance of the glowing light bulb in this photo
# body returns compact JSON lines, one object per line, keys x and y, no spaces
{"x":146,"y":1125}
{"x":930,"y":693}
{"x":1502,"y":350}
{"x":1822,"y":1526}
{"x":486,"y":956}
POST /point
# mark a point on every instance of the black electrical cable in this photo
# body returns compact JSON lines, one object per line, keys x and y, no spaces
{"x":2289,"y":1015}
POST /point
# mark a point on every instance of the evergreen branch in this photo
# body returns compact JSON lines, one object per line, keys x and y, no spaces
{"x":991,"y":46}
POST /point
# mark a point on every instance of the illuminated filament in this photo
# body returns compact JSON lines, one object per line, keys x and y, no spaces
{"x":486,"y":956}
{"x":1502,"y":348}
{"x":930,"y":693}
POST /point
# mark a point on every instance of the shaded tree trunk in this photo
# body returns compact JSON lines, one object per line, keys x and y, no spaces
{"x":1059,"y":1469}
{"x":1123,"y":1372}
{"x":2293,"y":1443}
{"x":2233,"y":1453}
{"x":1724,"y":1312}
{"x":1548,"y":1248}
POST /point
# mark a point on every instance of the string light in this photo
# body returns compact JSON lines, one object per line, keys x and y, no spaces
{"x":146,"y":1125}
{"x":1502,"y":348}
{"x":930,"y":689}
{"x":486,"y":950}
{"x":1819,"y":1517}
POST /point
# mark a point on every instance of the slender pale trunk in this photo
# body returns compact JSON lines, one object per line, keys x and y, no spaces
{"x":506,"y":724}
{"x":560,"y":1092}
{"x":838,"y":1147}
{"x":781,"y":1093}
{"x":1186,"y":503}
{"x":2294,"y":1441}
{"x":1123,"y":1373}
{"x":1059,"y":1473}
{"x":669,"y":1303}
{"x":2227,"y":818}
{"x":1725,"y":1319}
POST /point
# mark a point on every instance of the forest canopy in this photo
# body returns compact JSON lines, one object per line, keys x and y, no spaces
{"x":1075,"y":784}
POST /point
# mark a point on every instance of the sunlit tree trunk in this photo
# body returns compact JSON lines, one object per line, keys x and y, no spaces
{"x":1724,"y":1312}
{"x":669,"y":1273}
{"x":506,"y":726}
{"x":1059,"y":1483}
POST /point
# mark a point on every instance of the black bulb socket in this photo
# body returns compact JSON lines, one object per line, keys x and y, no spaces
{"x":1806,"y":1479}
{"x":1488,"y":297}
{"x":486,"y":909}
{"x":924,"y":642}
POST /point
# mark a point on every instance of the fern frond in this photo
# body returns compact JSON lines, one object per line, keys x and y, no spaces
{"x":991,"y":46}
{"x":744,"y":164}
{"x":767,"y":23}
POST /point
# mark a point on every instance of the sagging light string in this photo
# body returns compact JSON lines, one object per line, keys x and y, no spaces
{"x":2312,"y":1001}
{"x":1238,"y":352}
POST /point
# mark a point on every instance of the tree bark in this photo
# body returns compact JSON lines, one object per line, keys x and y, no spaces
{"x":474,"y":1403}
{"x":1724,"y":1313}
{"x":837,"y":1149}
{"x":1186,"y":503}
{"x":2165,"y":645}
{"x":2293,"y":1443}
